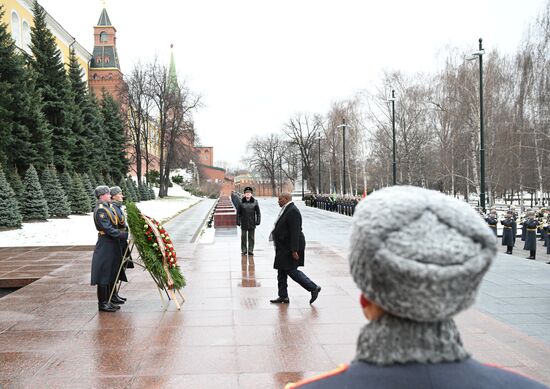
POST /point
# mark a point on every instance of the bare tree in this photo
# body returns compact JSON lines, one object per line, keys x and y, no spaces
{"x":265,"y":155}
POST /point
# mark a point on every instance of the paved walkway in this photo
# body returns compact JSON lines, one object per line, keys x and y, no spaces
{"x":227,"y":335}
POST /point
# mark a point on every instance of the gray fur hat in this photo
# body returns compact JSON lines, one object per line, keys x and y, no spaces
{"x":115,"y":190}
{"x":101,"y":190}
{"x":419,"y":254}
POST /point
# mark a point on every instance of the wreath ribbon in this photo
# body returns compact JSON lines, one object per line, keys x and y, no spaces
{"x":160,"y":243}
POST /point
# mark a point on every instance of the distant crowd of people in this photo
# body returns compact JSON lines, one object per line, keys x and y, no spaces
{"x":344,"y":205}
{"x":532,"y":222}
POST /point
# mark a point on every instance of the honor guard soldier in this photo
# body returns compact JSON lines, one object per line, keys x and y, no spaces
{"x":530,"y":226}
{"x":523,"y":226}
{"x":514,"y":213}
{"x":508,"y":237}
{"x":411,"y":291}
{"x":107,"y":254}
{"x":492,"y":220}
{"x":117,"y":198}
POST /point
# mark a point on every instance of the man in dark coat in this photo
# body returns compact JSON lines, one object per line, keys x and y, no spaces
{"x":530,"y":226}
{"x":290,"y":245}
{"x":411,"y":287}
{"x":248,"y":217}
{"x":508,"y":237}
{"x":107,"y":254}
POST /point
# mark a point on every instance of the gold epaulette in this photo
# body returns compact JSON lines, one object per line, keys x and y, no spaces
{"x":339,"y":370}
{"x":110,"y":212}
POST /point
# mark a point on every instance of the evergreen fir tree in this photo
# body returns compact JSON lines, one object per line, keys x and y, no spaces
{"x":58,"y":205}
{"x":109,"y":180}
{"x":15,"y":182}
{"x":53,"y":85}
{"x":10,"y":216}
{"x":114,"y":131}
{"x":132,"y":189}
{"x":81,"y":156}
{"x":143,"y":192}
{"x":89,"y":189}
{"x":24,"y":135}
{"x":124,"y":189}
{"x":31,"y":139}
{"x":80,"y":200}
{"x":92,"y":181}
{"x":94,"y":130}
{"x":66,"y":182}
{"x":34,"y":205}
{"x":100,"y":179}
{"x":151,"y":193}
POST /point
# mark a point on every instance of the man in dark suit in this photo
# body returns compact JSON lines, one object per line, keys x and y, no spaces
{"x":290,"y":245}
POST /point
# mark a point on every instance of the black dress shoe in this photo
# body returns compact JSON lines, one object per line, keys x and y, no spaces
{"x":314,"y":294}
{"x":105,"y":307}
{"x":120,"y":297}
{"x":280,"y":300}
{"x":114,"y":306}
{"x":116,"y":300}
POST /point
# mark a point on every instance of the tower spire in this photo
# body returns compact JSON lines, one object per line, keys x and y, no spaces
{"x":172,"y":74}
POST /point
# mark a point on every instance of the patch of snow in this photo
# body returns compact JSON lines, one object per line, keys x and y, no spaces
{"x":80,"y":229}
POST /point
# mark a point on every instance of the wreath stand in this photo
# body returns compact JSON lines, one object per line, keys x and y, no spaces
{"x":170,"y":293}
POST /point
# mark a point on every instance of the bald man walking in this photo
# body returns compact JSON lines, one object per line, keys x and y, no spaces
{"x":290,"y":245}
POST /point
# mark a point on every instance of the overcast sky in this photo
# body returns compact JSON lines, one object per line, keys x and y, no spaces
{"x":256,"y":62}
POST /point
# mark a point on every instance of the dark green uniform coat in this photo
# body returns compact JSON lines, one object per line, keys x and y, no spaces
{"x":508,"y":237}
{"x":107,"y":254}
{"x":530,"y":227}
{"x":122,"y":226}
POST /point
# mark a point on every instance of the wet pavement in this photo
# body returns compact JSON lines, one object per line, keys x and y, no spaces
{"x":227,"y":334}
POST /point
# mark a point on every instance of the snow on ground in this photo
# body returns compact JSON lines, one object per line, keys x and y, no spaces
{"x":80,"y":229}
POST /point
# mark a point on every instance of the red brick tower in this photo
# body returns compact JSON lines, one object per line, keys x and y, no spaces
{"x":104,"y":70}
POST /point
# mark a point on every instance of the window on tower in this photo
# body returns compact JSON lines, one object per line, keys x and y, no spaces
{"x":103,"y":36}
{"x":98,"y":59}
{"x":107,"y":59}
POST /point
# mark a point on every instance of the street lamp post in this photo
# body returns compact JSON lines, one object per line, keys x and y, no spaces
{"x":343,"y":125}
{"x":302,"y":170}
{"x":319,"y":183}
{"x":479,"y":54}
{"x":280,"y":174}
{"x":394,"y":166}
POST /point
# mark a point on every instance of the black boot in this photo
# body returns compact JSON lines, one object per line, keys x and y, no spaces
{"x":115,"y":298}
{"x":103,"y":299}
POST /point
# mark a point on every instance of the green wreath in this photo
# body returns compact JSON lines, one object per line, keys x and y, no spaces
{"x":155,"y":248}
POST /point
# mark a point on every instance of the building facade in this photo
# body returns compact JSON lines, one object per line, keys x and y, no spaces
{"x":18,"y":16}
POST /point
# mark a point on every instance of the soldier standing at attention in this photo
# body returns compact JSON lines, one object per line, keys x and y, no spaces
{"x":106,"y":258}
{"x":492,"y":220}
{"x":248,"y":217}
{"x":411,"y":286}
{"x":508,"y":237}
{"x":117,"y":198}
{"x":530,"y":226}
{"x":512,"y":210}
